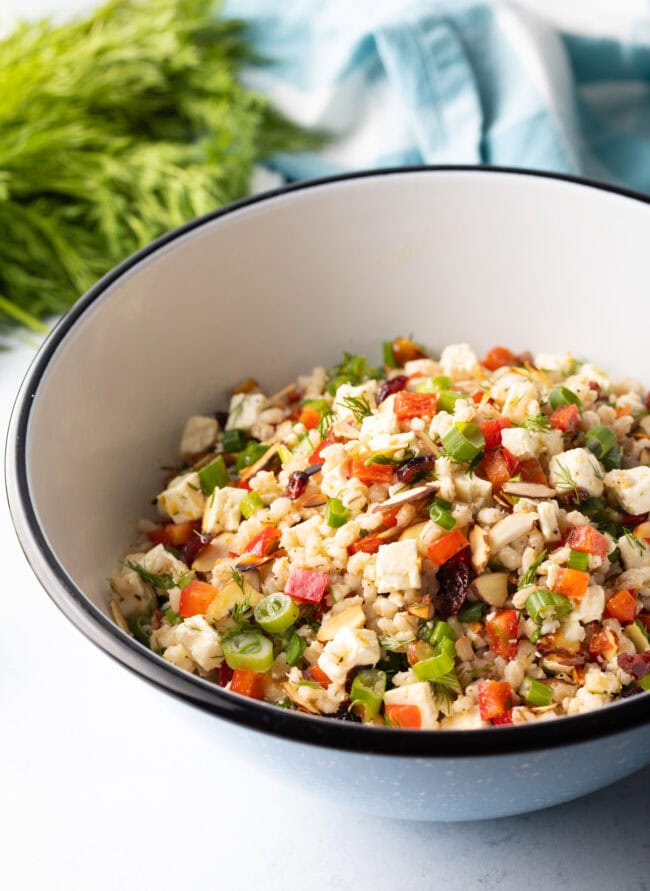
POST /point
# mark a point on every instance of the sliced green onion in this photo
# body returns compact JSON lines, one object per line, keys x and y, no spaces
{"x":563,"y":396}
{"x":435,"y":385}
{"x":447,"y":400}
{"x":600,"y":440}
{"x":138,"y":625}
{"x":644,"y":631}
{"x":535,"y":636}
{"x":248,"y":650}
{"x":613,"y":460}
{"x":389,"y":356}
{"x":214,"y":476}
{"x":543,"y":604}
{"x":276,"y":612}
{"x":304,"y":446}
{"x":252,"y":453}
{"x":644,"y":683}
{"x":472,"y":612}
{"x":464,"y":441}
{"x":435,"y":667}
{"x":439,"y":632}
{"x":367,"y":692}
{"x":441,"y":515}
{"x":234,"y":440}
{"x":284,"y":454}
{"x":172,"y":617}
{"x":535,"y":692}
{"x":578,"y":560}
{"x":250,"y":505}
{"x":295,"y":648}
{"x":450,"y":681}
{"x":336,"y":514}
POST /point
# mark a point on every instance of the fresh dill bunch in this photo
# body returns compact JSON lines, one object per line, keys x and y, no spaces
{"x":115,"y":128}
{"x":359,"y":406}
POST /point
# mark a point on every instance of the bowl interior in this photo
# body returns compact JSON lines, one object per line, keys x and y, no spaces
{"x":275,"y":287}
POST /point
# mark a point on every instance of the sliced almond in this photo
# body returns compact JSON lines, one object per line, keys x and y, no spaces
{"x":217,"y":549}
{"x":419,"y":493}
{"x":354,"y":617}
{"x":637,"y":637}
{"x":509,"y":529}
{"x":478,"y":540}
{"x":262,"y":464}
{"x":314,"y":500}
{"x":249,"y":385}
{"x":118,"y":618}
{"x":492,"y":588}
{"x":528,"y":490}
{"x":251,"y":561}
{"x":423,"y":609}
{"x":426,"y":442}
{"x":413,"y":531}
{"x":292,"y":691}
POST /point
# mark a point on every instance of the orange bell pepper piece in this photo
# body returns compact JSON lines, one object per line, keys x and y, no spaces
{"x":415,"y":405}
{"x":572,"y":583}
{"x":248,"y":683}
{"x":406,"y":716}
{"x":447,"y":547}
{"x":622,"y":606}
{"x":196,"y":597}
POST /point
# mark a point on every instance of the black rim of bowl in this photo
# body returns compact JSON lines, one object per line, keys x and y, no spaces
{"x":337,"y":734}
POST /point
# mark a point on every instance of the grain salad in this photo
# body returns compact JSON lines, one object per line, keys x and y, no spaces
{"x":445,"y":543}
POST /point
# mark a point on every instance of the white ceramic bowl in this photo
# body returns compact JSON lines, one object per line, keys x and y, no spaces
{"x":267,"y":288}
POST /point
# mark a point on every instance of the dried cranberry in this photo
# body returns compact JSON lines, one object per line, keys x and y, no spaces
{"x":345,"y":714}
{"x":573,"y":497}
{"x":454,"y":579}
{"x":463,"y":556}
{"x":631,"y":520}
{"x":297,"y":484}
{"x":225,"y":674}
{"x":194,"y":546}
{"x":595,"y":387}
{"x":392,"y":385}
{"x":414,"y":468}
{"x":637,"y":665}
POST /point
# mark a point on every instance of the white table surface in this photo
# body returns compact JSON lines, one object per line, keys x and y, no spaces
{"x":104,"y":784}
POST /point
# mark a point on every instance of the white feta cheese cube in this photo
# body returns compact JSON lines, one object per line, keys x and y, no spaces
{"x":351,"y":647}
{"x":472,"y":489}
{"x":222,"y":512}
{"x":547,"y":511}
{"x":133,"y":595}
{"x":591,"y":606}
{"x":521,"y":401}
{"x":552,"y":361}
{"x":183,"y":499}
{"x":577,"y":467}
{"x":199,"y":434}
{"x":458,"y":361}
{"x":634,"y":552}
{"x":630,"y":488}
{"x":201,"y":641}
{"x":521,"y":442}
{"x":398,"y":566}
{"x":419,"y":695}
{"x":178,"y":656}
{"x":245,"y":410}
{"x":380,"y":426}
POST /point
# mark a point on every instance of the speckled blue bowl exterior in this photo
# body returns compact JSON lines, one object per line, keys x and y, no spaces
{"x":424,"y":775}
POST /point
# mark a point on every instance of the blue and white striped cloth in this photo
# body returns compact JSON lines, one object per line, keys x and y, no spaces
{"x":463,"y":82}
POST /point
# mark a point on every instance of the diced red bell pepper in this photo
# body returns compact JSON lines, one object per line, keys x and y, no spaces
{"x":172,"y":535}
{"x":571,"y":582}
{"x":319,"y":676}
{"x":389,"y":517}
{"x":505,"y":718}
{"x":415,"y":405}
{"x":502,"y":633}
{"x":373,"y":473}
{"x":243,"y":484}
{"x":644,"y":618}
{"x":497,"y":357}
{"x":406,"y":716}
{"x":497,"y":466}
{"x":622,"y":606}
{"x":306,"y":586}
{"x":310,"y":417}
{"x":491,"y":431}
{"x":565,"y":418}
{"x":588,"y":540}
{"x":248,"y":683}
{"x":495,"y":699}
{"x":370,"y":544}
{"x":264,"y":543}
{"x":446,"y":547}
{"x":600,"y":642}
{"x":196,"y":597}
{"x":531,"y":471}
{"x":315,"y":457}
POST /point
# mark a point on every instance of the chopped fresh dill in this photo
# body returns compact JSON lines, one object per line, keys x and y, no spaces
{"x":393,"y":645}
{"x":359,"y":406}
{"x":162,"y":581}
{"x":634,"y":541}
{"x":537,"y":423}
{"x":238,"y":579}
{"x":528,"y":578}
{"x":352,"y":370}
{"x":564,"y":479}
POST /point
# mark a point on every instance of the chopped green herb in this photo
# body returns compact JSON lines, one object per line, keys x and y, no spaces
{"x":352,"y":370}
{"x":389,"y":357}
{"x":359,"y":406}
{"x":537,"y":423}
{"x":172,"y":617}
{"x":295,"y":648}
{"x":252,"y":453}
{"x":162,"y":581}
{"x":528,"y":578}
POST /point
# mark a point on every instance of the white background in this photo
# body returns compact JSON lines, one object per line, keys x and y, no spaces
{"x":105,"y":784}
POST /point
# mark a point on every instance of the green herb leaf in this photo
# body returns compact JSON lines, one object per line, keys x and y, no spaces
{"x":528,"y":578}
